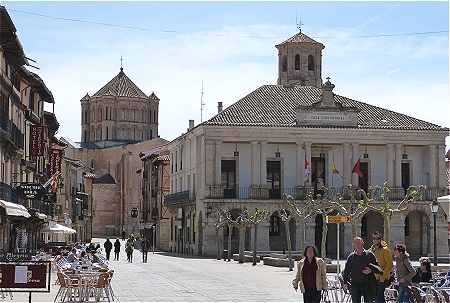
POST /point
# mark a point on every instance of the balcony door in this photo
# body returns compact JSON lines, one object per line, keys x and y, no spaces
{"x":229,"y":178}
{"x":318,"y":173}
{"x":274,"y":179}
{"x":364,"y":180}
{"x":406,"y":175}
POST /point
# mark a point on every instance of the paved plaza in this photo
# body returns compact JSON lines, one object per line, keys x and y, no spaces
{"x":168,"y":277}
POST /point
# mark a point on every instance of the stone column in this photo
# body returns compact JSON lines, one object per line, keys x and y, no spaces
{"x":397,"y":229}
{"x":347,"y":165}
{"x":218,"y":162}
{"x":389,"y":153}
{"x":308,"y":159}
{"x":300,"y":235}
{"x":263,"y":165}
{"x":432,"y":165}
{"x":398,"y":165}
{"x":263,"y":237}
{"x":442,"y":178}
{"x":310,"y":231}
{"x":355,"y":157}
{"x":300,"y":164}
{"x":255,"y":158}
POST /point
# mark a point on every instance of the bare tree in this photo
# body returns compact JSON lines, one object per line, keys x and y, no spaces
{"x":379,"y":201}
{"x":301,"y":210}
{"x":286,"y":217}
{"x":254,"y":219}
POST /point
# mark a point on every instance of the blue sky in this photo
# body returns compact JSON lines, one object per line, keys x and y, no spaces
{"x":230,"y":46}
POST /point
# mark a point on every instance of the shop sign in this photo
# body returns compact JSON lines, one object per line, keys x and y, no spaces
{"x":26,"y":275}
{"x":134,"y":212}
{"x":31,"y":190}
{"x":55,"y":161}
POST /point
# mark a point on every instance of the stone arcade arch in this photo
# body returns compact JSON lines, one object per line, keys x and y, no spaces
{"x":417,"y":233}
{"x":370,"y":223}
{"x":277,"y":233}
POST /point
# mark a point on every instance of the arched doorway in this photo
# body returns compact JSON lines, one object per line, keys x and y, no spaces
{"x":234,"y":233}
{"x":417,"y":233}
{"x":370,"y":223}
{"x":277,"y":233}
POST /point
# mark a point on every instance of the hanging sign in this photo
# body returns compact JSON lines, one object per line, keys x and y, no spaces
{"x":31,"y":190}
{"x":37,"y":140}
{"x":55,"y":161}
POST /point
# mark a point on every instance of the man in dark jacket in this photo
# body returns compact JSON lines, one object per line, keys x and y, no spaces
{"x":116,"y":250}
{"x":108,"y":248}
{"x":359,"y":273}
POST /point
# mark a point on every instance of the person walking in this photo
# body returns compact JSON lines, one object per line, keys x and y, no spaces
{"x":108,"y":248}
{"x":359,"y":272}
{"x":384,"y":258}
{"x":145,"y":246}
{"x":311,"y":276}
{"x":129,"y":250}
{"x":404,"y":271}
{"x":116,"y":250}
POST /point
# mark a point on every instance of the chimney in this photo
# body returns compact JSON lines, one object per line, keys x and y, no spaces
{"x":191,"y":125}
{"x":219,"y":107}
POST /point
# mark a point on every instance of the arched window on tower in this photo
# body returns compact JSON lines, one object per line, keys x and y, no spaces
{"x":297,"y":62}
{"x":310,"y":62}
{"x":107,"y":133}
{"x":284,"y":63}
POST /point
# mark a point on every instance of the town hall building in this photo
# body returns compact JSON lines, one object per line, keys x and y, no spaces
{"x":295,"y":136}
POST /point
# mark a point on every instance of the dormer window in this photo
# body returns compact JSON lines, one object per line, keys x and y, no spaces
{"x":297,"y":62}
{"x":310,"y":62}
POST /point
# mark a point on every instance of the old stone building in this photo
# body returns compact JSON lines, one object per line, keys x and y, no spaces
{"x":118,"y":123}
{"x":295,"y":137}
{"x":119,"y":113}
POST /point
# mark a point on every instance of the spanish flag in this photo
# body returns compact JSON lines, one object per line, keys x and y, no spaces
{"x":334,"y":170}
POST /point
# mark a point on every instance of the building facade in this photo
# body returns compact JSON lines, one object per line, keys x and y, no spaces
{"x":295,"y":137}
{"x":119,"y":113}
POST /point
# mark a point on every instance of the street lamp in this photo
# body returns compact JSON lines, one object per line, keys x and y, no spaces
{"x":434,"y":209}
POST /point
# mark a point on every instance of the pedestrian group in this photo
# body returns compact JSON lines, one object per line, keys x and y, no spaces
{"x":366,"y":275}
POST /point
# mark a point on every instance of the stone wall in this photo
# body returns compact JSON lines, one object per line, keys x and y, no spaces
{"x":106,"y":203}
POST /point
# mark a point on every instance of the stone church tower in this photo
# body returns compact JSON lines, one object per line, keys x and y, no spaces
{"x":119,"y":113}
{"x":300,"y":61}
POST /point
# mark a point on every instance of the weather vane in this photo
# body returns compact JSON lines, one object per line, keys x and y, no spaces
{"x":121,"y":62}
{"x":299,"y":23}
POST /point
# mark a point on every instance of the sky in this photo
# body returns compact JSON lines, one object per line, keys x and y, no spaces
{"x":170,"y":48}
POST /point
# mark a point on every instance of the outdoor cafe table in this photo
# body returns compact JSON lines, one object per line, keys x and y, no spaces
{"x":86,"y":280}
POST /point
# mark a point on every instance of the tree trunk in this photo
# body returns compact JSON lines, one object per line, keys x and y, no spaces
{"x":229,"y":242}
{"x":323,"y":245}
{"x":289,"y":245}
{"x":354,"y":228}
{"x":219,"y":255}
{"x":241,"y":243}
{"x":254,"y":244}
{"x":387,"y":229}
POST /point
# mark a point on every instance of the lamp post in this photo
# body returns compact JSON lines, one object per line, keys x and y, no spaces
{"x":434,"y":209}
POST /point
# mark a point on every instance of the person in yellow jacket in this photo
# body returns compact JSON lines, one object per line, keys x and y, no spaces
{"x":384,"y":259}
{"x":311,"y":276}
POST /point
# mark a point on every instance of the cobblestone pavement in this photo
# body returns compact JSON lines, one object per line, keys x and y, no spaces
{"x":169,"y":277}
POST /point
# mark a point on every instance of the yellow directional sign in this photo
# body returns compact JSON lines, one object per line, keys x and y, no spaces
{"x":338,"y":219}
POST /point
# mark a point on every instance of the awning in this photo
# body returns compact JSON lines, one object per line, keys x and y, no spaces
{"x":58,"y":228}
{"x":443,"y":199}
{"x":13,"y":209}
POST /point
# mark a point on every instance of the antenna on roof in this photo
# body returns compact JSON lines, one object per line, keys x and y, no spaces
{"x":202,"y":104}
{"x":298,"y":21}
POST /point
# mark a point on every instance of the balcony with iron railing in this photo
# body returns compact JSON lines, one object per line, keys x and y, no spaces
{"x":12,"y":133}
{"x":301,"y":192}
{"x":182,"y":197}
{"x":7,"y":193}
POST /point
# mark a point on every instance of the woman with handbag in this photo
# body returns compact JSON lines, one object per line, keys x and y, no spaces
{"x":311,"y":276}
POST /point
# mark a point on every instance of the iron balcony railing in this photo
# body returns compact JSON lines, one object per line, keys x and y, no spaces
{"x":13,"y":133}
{"x":301,"y":192}
{"x":7,"y":193}
{"x":179,"y":198}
